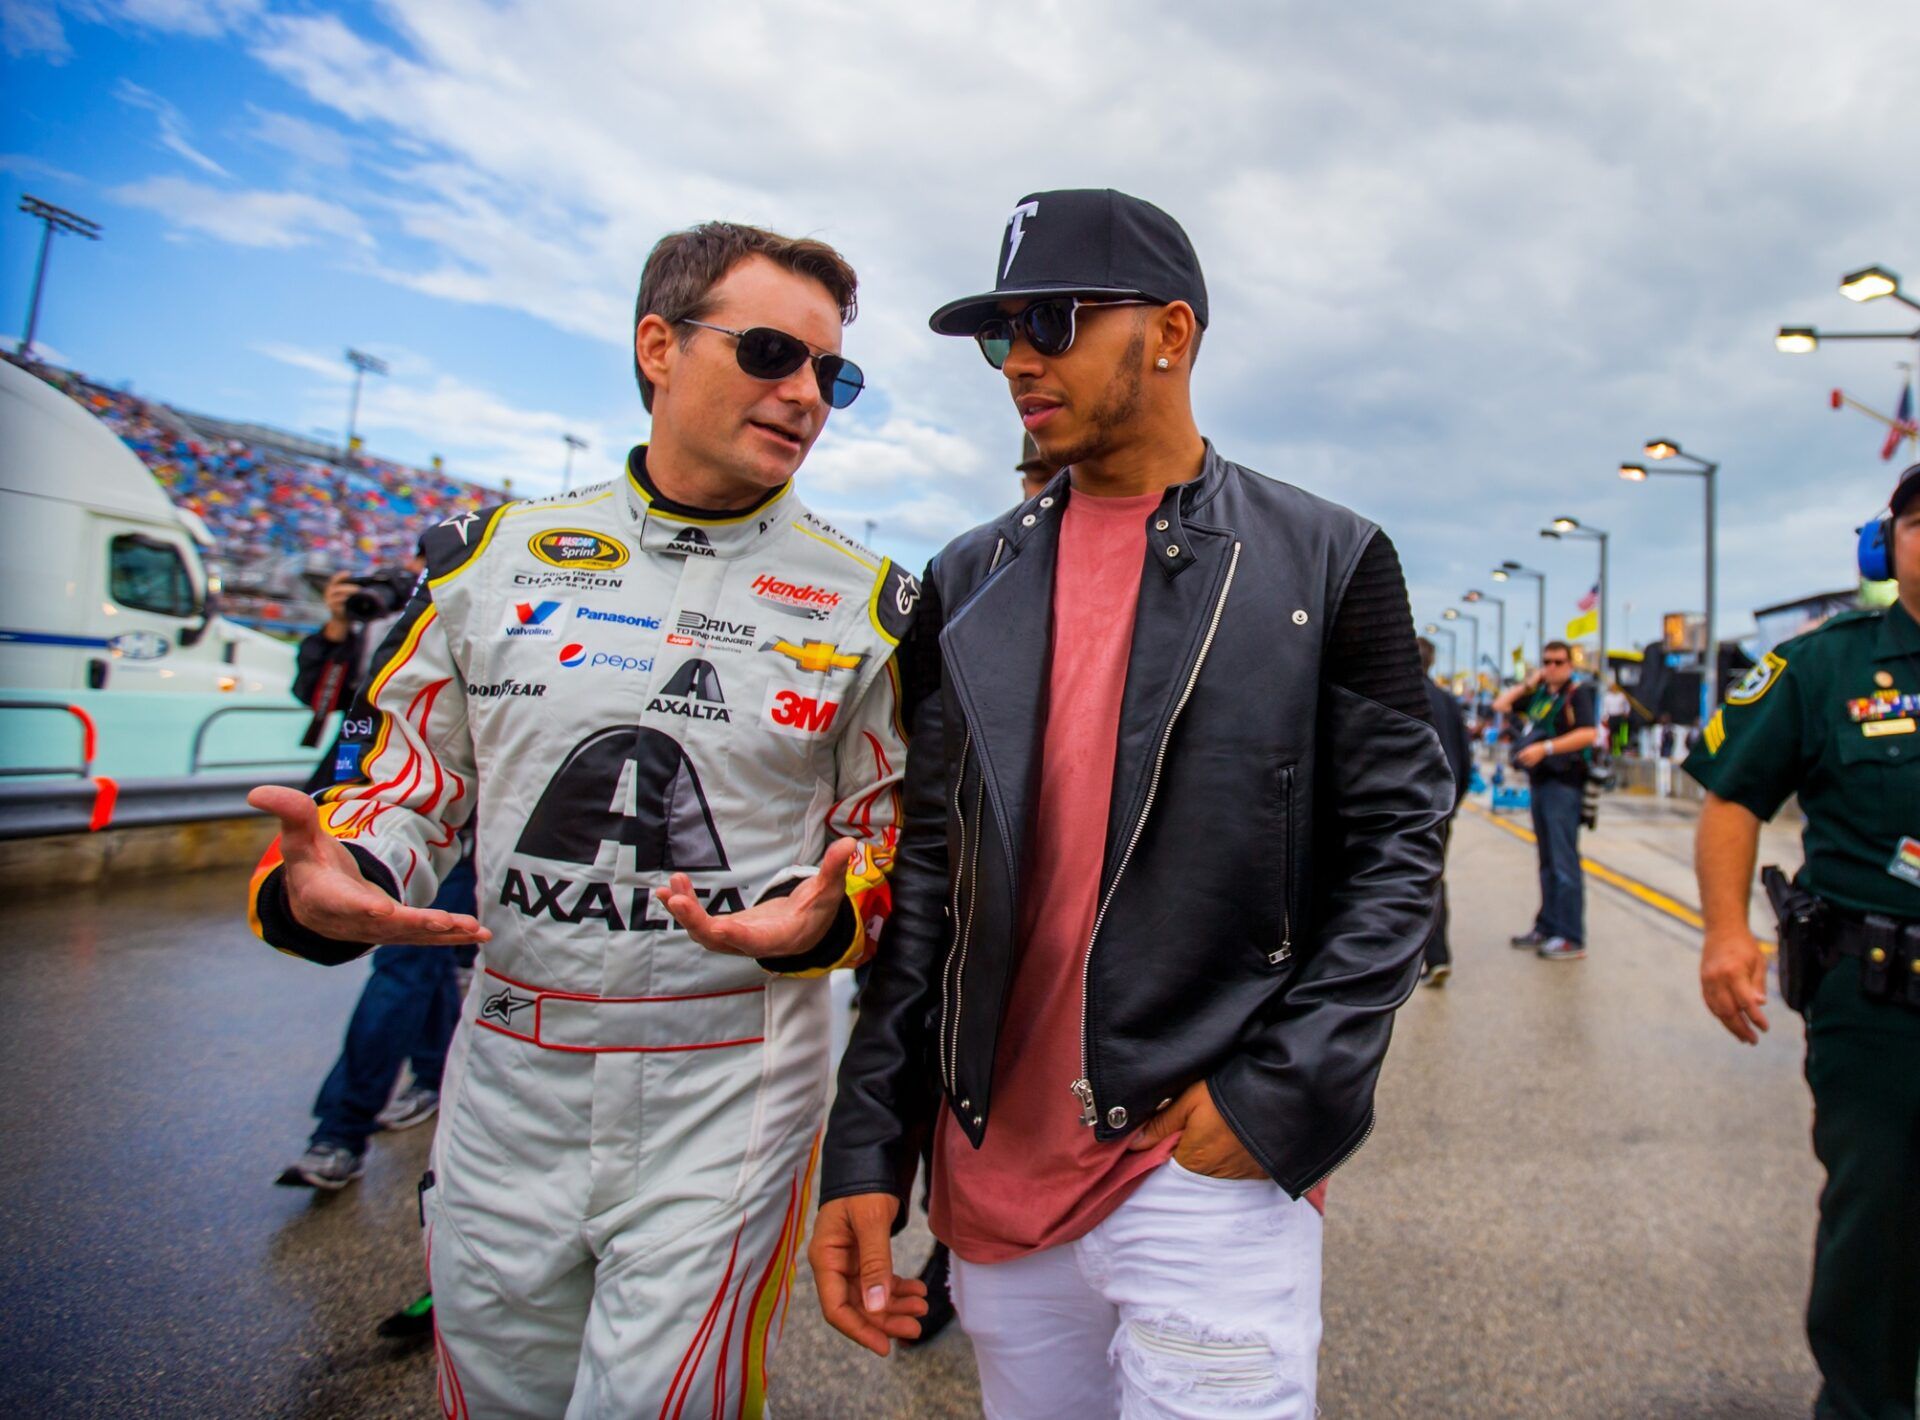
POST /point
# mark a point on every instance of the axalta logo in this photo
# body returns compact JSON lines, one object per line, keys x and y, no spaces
{"x":618,"y":618}
{"x":693,"y":693}
{"x":578,"y":549}
{"x":500,"y":689}
{"x":573,"y":655}
{"x":799,"y":713}
{"x":710,"y":633}
{"x":535,"y":618}
{"x":816,"y":656}
{"x":537,"y":895}
{"x":801,"y":597}
{"x":691,"y":542}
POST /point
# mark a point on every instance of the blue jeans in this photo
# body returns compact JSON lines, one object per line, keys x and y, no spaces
{"x":408,"y":1008}
{"x":1556,"y":824}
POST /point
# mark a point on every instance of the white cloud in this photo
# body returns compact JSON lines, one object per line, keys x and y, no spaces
{"x":172,"y":124}
{"x":248,"y":219}
{"x":202,"y":19}
{"x":312,"y":143}
{"x":32,"y":27}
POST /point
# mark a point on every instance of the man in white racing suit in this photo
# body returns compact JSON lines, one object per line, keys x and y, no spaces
{"x":676,"y":695}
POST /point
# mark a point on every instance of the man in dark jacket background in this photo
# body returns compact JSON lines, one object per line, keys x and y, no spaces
{"x":1172,"y":845}
{"x":1452,"y":728}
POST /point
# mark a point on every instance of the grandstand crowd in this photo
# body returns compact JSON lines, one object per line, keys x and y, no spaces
{"x":281,"y":521}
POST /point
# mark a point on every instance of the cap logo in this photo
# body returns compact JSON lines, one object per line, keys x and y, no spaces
{"x":1014,"y":233}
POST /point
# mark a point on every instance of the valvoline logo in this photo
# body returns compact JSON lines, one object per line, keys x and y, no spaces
{"x":531,"y":615}
{"x":572,"y":654}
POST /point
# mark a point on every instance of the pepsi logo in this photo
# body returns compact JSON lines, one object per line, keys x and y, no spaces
{"x":572,"y":654}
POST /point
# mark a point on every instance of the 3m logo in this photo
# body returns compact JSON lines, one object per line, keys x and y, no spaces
{"x":578,"y":550}
{"x":796,"y":713}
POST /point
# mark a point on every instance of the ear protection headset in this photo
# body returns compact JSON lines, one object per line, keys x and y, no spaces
{"x":1875,"y":552}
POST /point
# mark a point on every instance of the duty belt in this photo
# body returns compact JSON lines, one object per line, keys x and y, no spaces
{"x":1888,"y":949}
{"x":583,"y":1024}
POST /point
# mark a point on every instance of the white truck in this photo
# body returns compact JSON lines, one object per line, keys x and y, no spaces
{"x":111,"y":639}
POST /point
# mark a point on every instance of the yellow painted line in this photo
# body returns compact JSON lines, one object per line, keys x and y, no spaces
{"x":1634,"y":888}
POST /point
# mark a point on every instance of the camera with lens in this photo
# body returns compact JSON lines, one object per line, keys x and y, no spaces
{"x":380,"y":594}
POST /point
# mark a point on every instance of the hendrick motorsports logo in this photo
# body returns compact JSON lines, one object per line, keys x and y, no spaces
{"x":796,"y":598}
{"x":710,"y":633}
{"x":577,"y":549}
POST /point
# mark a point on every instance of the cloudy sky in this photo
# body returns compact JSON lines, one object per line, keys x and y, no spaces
{"x":1463,"y":258}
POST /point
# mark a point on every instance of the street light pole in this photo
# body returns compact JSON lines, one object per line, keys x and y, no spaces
{"x":55,"y":219}
{"x":1571,"y":527}
{"x":1453,"y":648}
{"x":1500,"y":634}
{"x":1707,"y":471}
{"x":1454,"y":613}
{"x":572,"y":442}
{"x":1868,"y":284}
{"x":363,"y":364}
{"x":1514,"y":569}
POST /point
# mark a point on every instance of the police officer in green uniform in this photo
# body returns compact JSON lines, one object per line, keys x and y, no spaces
{"x":1834,"y":716}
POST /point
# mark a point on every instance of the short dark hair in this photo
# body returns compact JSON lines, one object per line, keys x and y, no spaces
{"x":1426,"y":652}
{"x":684,"y":267}
{"x":1556,"y":646}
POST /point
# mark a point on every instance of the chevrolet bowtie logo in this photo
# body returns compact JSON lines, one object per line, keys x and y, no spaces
{"x":816,"y":656}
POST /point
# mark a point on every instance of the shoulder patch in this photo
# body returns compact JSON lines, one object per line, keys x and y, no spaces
{"x":451,"y":545}
{"x":1758,"y":680}
{"x":895,"y":598}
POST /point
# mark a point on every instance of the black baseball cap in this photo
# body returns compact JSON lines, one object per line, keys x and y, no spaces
{"x":1905,"y":491}
{"x":1085,"y":242}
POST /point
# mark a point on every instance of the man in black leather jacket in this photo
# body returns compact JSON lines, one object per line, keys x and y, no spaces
{"x":1267,"y":855}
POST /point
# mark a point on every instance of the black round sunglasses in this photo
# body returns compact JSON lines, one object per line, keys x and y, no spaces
{"x":769,"y":354}
{"x":1048,"y":326}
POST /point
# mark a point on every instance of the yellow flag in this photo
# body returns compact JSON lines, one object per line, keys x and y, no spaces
{"x":1587,"y":624}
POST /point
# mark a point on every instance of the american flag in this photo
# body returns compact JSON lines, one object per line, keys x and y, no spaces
{"x":1591,"y":599}
{"x":1903,"y":426}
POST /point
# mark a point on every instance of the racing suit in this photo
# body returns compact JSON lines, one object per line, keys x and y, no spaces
{"x":628,"y":1127}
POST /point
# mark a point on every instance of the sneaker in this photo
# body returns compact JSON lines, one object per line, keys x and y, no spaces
{"x":411,"y":1322}
{"x":939,"y":1297}
{"x":1437,"y":976}
{"x":325,"y":1166}
{"x":1532,"y":937}
{"x":413,"y":1105}
{"x":1560,"y":949}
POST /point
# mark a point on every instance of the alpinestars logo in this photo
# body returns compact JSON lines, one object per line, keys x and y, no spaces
{"x":691,"y":542}
{"x":796,"y":598}
{"x":693,"y":692}
{"x":625,"y":787}
{"x":501,"y":1007}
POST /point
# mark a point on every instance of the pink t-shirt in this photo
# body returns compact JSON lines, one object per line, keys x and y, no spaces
{"x":1041,"y":1178}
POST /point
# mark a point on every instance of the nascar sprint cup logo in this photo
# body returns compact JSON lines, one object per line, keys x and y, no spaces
{"x":578,"y":550}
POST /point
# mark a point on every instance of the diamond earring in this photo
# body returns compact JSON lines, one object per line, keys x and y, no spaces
{"x":1161,"y":363}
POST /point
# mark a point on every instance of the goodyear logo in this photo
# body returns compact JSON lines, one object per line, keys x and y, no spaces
{"x":578,"y":550}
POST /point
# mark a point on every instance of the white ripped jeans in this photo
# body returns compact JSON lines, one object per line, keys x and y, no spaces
{"x":1196,"y":1299}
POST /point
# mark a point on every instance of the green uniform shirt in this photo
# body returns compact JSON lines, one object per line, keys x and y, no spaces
{"x":1834,"y":716}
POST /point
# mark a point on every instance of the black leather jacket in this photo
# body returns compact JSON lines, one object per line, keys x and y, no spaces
{"x":1273,"y":844}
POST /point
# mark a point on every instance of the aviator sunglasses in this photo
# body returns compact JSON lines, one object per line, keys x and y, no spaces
{"x":1048,"y":326}
{"x":769,"y":354}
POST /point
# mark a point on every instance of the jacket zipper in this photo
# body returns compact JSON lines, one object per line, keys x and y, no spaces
{"x":1286,"y":874}
{"x":1334,"y":1167}
{"x":956,"y":963}
{"x":1083,"y":1087}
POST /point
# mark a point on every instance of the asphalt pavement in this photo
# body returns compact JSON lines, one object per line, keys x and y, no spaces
{"x":1582,"y":1199}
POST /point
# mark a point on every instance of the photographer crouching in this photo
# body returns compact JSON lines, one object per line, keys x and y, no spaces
{"x":411,"y":1002}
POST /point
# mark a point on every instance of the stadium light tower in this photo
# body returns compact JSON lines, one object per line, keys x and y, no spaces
{"x":572,"y":441}
{"x":363,"y":364}
{"x":56,"y":219}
